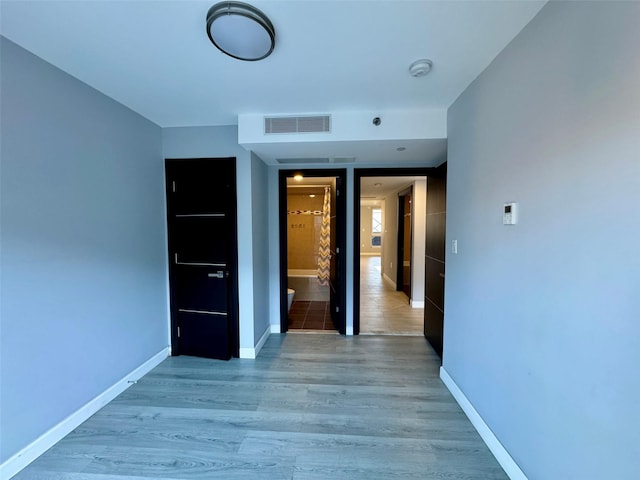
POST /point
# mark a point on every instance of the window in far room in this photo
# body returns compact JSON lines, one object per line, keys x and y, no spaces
{"x":376,"y":227}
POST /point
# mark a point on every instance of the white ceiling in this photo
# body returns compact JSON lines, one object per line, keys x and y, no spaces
{"x":155,"y":57}
{"x":388,"y":185}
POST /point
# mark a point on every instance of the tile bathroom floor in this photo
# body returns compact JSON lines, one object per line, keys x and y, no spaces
{"x":310,"y":315}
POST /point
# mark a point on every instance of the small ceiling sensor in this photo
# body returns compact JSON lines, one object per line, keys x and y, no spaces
{"x":377,"y":185}
{"x":401,"y":149}
{"x":377,"y":121}
{"x":420,"y":68}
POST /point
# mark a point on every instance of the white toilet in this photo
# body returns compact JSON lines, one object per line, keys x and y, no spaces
{"x":290,"y":293}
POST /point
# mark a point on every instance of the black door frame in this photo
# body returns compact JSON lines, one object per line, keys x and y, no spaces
{"x":341,"y":240}
{"x":358,"y":174}
{"x":232,"y":306}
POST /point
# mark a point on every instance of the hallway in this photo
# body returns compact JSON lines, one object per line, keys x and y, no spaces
{"x":383,"y":310}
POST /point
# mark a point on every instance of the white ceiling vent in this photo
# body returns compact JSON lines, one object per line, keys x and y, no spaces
{"x":302,"y":160}
{"x":316,"y":160}
{"x":303,"y":124}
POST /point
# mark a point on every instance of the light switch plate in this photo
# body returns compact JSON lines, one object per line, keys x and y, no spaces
{"x":510,"y":213}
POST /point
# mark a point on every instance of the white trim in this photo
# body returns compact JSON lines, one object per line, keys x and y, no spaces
{"x":252,"y":353}
{"x":275,"y":328}
{"x":504,"y":459}
{"x":48,"y":439}
{"x":417,"y":304}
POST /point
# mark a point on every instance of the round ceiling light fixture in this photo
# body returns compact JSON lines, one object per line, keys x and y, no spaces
{"x":421,"y":67}
{"x":241,"y":31}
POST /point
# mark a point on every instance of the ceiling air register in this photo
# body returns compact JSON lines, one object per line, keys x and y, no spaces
{"x":298,"y":124}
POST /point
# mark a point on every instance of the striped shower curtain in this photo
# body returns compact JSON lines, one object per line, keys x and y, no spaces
{"x":324,"y":254}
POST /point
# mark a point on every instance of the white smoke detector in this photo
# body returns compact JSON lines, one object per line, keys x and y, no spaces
{"x":420,"y":68}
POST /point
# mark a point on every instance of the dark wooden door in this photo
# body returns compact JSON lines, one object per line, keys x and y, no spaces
{"x":435,"y":258}
{"x":335,"y":278}
{"x":201,"y":221}
{"x":404,"y":242}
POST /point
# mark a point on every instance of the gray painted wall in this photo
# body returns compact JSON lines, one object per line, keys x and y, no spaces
{"x":260,"y":199}
{"x":222,"y":141}
{"x":84,"y":283}
{"x":541,"y":318}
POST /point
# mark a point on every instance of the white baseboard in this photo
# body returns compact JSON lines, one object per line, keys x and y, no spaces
{"x":386,"y":277}
{"x":252,"y":353}
{"x":275,"y":328}
{"x":48,"y":439}
{"x":417,"y":304}
{"x":504,"y":459}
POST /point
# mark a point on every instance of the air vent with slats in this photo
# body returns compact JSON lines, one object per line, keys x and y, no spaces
{"x":302,"y":124}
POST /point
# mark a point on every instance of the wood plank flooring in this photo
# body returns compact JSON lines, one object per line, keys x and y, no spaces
{"x":311,"y":406}
{"x":383,"y":310}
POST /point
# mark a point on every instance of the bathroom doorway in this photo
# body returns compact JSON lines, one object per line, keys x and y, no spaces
{"x":312,"y":244}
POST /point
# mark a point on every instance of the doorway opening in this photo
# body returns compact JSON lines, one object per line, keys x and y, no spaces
{"x":389,"y":265}
{"x":312,"y":242}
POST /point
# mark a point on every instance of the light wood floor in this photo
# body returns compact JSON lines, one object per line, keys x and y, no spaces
{"x":383,"y":310}
{"x":310,"y":407}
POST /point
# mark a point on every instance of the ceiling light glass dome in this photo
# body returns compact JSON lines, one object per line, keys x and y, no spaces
{"x":240,"y":31}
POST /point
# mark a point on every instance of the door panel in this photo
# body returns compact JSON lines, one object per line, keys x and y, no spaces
{"x":201,"y":288}
{"x":404,"y":267}
{"x":406,"y":247}
{"x":433,"y":326}
{"x":201,"y":219}
{"x":201,"y":240}
{"x":435,"y":258}
{"x":200,"y":331}
{"x":334,"y":278}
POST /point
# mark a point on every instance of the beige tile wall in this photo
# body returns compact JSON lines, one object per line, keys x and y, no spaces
{"x":303,"y":235}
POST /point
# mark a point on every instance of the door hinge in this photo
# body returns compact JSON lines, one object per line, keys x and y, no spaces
{"x":337,"y":309}
{"x":337,"y":250}
{"x":178,"y":332}
{"x":173,"y":186}
{"x":337,"y":193}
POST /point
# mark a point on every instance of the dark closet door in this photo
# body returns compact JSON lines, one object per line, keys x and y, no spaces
{"x":201,"y":220}
{"x":435,"y":258}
